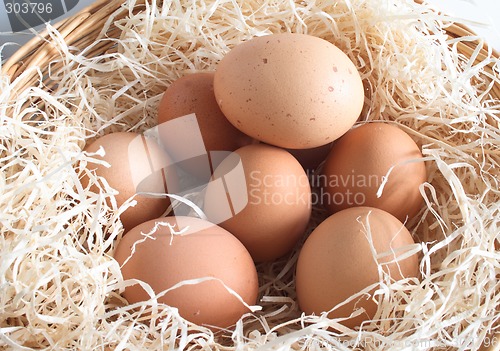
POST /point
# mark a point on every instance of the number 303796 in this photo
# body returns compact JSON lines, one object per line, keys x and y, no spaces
{"x":25,"y":7}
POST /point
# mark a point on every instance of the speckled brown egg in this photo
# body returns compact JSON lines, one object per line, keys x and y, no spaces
{"x":359,"y":161}
{"x":194,"y":93}
{"x":278,"y":200}
{"x":135,"y":166}
{"x":295,"y":91}
{"x":341,"y":258}
{"x":206,"y":256}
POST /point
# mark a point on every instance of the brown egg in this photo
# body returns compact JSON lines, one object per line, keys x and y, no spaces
{"x":337,"y":262}
{"x":295,"y":91}
{"x":194,"y":93}
{"x":310,"y":159}
{"x":270,"y":214}
{"x":136,"y":165}
{"x":203,"y":250}
{"x":358,"y":163}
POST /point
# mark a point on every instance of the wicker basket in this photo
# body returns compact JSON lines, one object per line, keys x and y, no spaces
{"x":82,"y":29}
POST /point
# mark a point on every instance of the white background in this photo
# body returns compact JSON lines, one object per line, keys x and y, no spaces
{"x":485,"y":12}
{"x":479,"y":13}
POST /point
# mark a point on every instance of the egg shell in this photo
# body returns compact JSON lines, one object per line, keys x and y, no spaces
{"x":337,"y":262}
{"x":358,"y":163}
{"x":194,"y":93}
{"x":203,"y":250}
{"x":279,"y":201}
{"x":132,"y":157}
{"x":291,"y":90}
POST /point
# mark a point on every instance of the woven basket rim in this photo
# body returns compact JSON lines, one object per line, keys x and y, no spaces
{"x":36,"y":46}
{"x":84,"y":27}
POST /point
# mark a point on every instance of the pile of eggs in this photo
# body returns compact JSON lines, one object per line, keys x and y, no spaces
{"x":281,"y":105}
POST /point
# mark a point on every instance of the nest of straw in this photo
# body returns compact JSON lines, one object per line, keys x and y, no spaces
{"x":105,"y":71}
